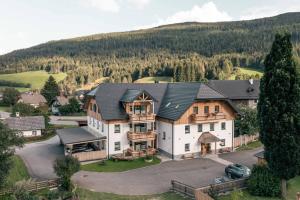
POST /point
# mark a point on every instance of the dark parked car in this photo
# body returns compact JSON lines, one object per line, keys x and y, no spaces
{"x":237,"y":171}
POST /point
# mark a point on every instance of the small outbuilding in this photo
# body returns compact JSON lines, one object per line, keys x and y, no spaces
{"x":83,"y":143}
{"x":261,"y":158}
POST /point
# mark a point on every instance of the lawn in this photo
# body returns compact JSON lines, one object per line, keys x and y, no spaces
{"x":119,"y":166}
{"x":293,"y":188}
{"x":5,"y":108}
{"x":35,"y":78}
{"x":248,"y":71}
{"x":20,"y":89}
{"x":88,"y":195}
{"x":250,"y":146}
{"x":18,"y":172}
{"x":152,"y":79}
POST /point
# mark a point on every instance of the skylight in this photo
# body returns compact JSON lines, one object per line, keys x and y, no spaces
{"x":168,"y":104}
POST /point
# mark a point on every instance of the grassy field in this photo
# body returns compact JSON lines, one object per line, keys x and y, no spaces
{"x":248,"y":71}
{"x":88,"y":195}
{"x":293,"y":188}
{"x":5,"y":108}
{"x":20,"y":89}
{"x":35,"y":78}
{"x":250,"y":146}
{"x":152,"y":79}
{"x":94,"y":84}
{"x":18,"y":172}
{"x":111,"y":166}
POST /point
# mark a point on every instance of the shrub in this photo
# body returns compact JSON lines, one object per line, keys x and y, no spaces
{"x":213,"y":193}
{"x":236,"y":194}
{"x":263,"y":183}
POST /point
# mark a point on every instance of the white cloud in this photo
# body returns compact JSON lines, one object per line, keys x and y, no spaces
{"x":103,"y":5}
{"x":139,"y":4}
{"x":268,"y":11}
{"x":208,"y":12}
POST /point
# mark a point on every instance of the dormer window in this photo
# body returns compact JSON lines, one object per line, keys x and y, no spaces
{"x":217,"y":109}
{"x":206,"y":109}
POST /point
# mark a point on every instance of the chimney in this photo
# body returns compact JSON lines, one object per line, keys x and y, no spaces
{"x":251,"y":81}
{"x":17,"y":114}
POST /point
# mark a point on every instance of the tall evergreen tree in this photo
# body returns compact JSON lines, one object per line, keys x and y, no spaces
{"x":278,"y":111}
{"x":50,"y":90}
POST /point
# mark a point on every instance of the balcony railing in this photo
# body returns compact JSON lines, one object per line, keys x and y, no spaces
{"x":142,"y":117}
{"x":208,"y":117}
{"x":150,"y":135}
{"x":141,"y":153}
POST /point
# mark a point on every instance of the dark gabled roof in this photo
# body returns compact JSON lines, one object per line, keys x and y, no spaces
{"x":171,"y":99}
{"x":177,"y":100}
{"x":236,"y":89}
{"x":206,"y":92}
{"x":32,"y":98}
{"x":77,"y":135}
{"x":132,"y":94}
{"x":108,"y":96}
{"x":25,"y":123}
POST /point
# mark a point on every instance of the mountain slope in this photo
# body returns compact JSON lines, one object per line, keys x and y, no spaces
{"x":207,"y":50}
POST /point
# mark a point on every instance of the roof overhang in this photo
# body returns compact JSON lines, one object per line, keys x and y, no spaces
{"x":207,"y":137}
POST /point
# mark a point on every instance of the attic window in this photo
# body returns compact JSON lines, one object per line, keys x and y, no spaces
{"x":168,"y":104}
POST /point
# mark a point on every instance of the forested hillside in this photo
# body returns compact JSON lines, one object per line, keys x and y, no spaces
{"x":187,"y":51}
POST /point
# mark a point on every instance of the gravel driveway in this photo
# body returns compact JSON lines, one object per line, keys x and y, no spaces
{"x":40,"y":156}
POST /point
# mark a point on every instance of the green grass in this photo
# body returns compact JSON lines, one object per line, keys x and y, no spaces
{"x":293,"y":188}
{"x":20,"y":89}
{"x":89,"y":195}
{"x":5,"y":108}
{"x":152,"y":79}
{"x":248,"y":71}
{"x":18,"y":172}
{"x":119,"y":166}
{"x":250,"y":146}
{"x":35,"y":78}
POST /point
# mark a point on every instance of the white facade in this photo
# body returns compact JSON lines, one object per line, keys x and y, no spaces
{"x":167,"y":133}
{"x":32,"y":133}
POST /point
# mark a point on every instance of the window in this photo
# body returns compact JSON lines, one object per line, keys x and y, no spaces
{"x":206,"y":109}
{"x":199,"y":127}
{"x":117,"y":146}
{"x":164,"y":136}
{"x":130,"y":109}
{"x":212,"y":126}
{"x":117,"y":128}
{"x":187,"y":147}
{"x":95,"y":108}
{"x":93,"y":122}
{"x":97,"y":124}
{"x":195,"y":110}
{"x":102,"y":127}
{"x":255,"y":100}
{"x":90,"y":120}
{"x":217,"y":109}
{"x":33,"y":133}
{"x":223,"y":126}
{"x":91,"y":106}
{"x":222,"y":142}
{"x":187,"y":129}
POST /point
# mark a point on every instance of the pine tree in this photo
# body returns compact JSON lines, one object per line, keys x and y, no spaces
{"x":278,"y":111}
{"x":50,"y":90}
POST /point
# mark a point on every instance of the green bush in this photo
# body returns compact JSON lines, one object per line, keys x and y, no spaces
{"x":263,"y":183}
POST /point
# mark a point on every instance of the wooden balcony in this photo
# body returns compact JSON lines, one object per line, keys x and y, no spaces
{"x":142,"y":117}
{"x":207,"y":117}
{"x":137,"y":136}
{"x":92,"y":155}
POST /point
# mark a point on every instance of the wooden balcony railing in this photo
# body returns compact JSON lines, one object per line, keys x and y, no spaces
{"x":141,"y":153}
{"x":150,"y":135}
{"x":142,"y":117}
{"x":207,"y":117}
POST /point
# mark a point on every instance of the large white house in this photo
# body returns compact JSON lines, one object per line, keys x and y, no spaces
{"x":178,"y":119}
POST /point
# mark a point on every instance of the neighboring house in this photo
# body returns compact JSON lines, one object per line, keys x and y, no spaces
{"x":30,"y":126}
{"x":33,"y":99}
{"x":58,"y":102}
{"x":80,"y":94}
{"x":179,"y":119}
{"x":244,"y":92}
{"x":4,"y":115}
{"x":261,"y":158}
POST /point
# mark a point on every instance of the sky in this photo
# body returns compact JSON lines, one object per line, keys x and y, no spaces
{"x":26,"y":23}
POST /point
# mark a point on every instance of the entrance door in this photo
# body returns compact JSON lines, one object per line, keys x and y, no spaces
{"x":205,"y":148}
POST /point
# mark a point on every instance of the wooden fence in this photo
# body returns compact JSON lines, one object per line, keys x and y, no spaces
{"x":244,"y":139}
{"x":202,"y":193}
{"x":34,"y":186}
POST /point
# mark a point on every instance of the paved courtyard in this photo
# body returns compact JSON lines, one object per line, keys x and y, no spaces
{"x":39,"y":158}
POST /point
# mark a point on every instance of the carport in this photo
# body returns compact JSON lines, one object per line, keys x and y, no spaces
{"x":83,"y":143}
